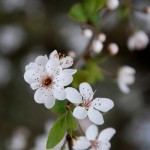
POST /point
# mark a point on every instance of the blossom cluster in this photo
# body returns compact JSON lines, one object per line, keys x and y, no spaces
{"x":49,"y":76}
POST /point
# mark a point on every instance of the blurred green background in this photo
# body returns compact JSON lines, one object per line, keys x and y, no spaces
{"x":29,"y":28}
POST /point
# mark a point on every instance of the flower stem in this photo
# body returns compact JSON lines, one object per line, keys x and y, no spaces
{"x":69,"y":140}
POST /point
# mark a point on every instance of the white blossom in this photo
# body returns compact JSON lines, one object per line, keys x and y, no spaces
{"x":93,"y":141}
{"x":138,"y":41}
{"x":126,"y":76}
{"x":48,"y":77}
{"x":113,"y":48}
{"x":88,"y":33}
{"x":97,"y":46}
{"x":112,"y":4}
{"x":86,"y":105}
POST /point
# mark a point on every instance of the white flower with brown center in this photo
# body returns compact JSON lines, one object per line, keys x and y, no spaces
{"x":48,"y":78}
{"x":91,"y":141}
{"x":86,"y":105}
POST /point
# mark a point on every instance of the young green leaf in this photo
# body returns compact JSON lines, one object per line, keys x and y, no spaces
{"x":71,"y":122}
{"x":59,"y":107}
{"x":57,"y":132}
{"x":77,"y":13}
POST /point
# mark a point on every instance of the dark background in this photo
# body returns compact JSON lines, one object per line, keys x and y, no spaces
{"x":42,"y":26}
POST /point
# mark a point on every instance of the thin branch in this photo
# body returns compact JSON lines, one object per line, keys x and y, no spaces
{"x":69,"y":140}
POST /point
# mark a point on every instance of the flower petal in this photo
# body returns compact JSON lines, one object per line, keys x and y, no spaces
{"x":81,"y":143}
{"x":42,"y":94}
{"x":66,"y":62}
{"x":80,"y":112}
{"x":106,"y":134}
{"x":59,"y":93}
{"x":54,"y":56}
{"x":102,"y":104}
{"x":73,"y":95}
{"x":52,"y":68}
{"x":63,"y":79}
{"x":32,"y":76}
{"x":95,"y":116}
{"x":41,"y":60}
{"x":86,"y":91}
{"x":31,"y":66}
{"x":50,"y":101}
{"x":92,"y":132}
{"x":35,"y":85}
{"x":69,"y":71}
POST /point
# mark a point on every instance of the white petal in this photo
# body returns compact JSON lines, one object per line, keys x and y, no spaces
{"x":105,"y":145}
{"x":64,"y":79}
{"x":92,"y":132}
{"x":41,"y":60}
{"x":32,"y":76}
{"x":50,"y":101}
{"x":69,"y":71}
{"x":42,"y":94}
{"x":81,"y":143}
{"x":66,"y":62}
{"x":35,"y":85}
{"x":31,"y":66}
{"x":73,"y":95}
{"x":80,"y":112}
{"x":86,"y":91}
{"x":102,"y":104}
{"x":123,"y":87}
{"x":54,"y":56}
{"x":59,"y":93}
{"x":95,"y":116}
{"x":52,"y":68}
{"x":106,"y":134}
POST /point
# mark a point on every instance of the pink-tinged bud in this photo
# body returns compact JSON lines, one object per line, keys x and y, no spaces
{"x":87,"y":33}
{"x":147,"y":10}
{"x":97,"y":46}
{"x":113,"y":49}
{"x":102,"y":37}
{"x":72,"y":54}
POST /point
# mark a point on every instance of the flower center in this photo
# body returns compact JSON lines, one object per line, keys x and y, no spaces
{"x":95,"y":144}
{"x":59,"y":55}
{"x":47,"y":81}
{"x":86,"y":104}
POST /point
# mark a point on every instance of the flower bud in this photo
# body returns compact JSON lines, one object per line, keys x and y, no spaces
{"x":113,"y":48}
{"x":97,"y":46}
{"x":112,"y":4}
{"x":102,"y":37}
{"x":87,"y":33}
{"x":147,"y":10}
{"x":72,"y":54}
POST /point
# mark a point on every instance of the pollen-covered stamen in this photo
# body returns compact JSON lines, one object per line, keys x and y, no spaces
{"x":47,"y":81}
{"x":86,"y":104}
{"x":95,"y":144}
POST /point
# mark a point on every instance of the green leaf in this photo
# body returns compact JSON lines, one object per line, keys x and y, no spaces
{"x":72,"y":124}
{"x":59,"y":107}
{"x":57,"y":132}
{"x":95,"y":19}
{"x":94,"y":72}
{"x":124,"y":12}
{"x":99,"y":4}
{"x":79,"y":77}
{"x":77,"y":13}
{"x":92,"y":6}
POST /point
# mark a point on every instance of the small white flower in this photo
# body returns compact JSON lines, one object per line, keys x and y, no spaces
{"x":89,"y":107}
{"x":97,"y":46}
{"x":48,"y":78}
{"x":93,"y":141}
{"x":112,"y":4}
{"x":126,"y":76}
{"x":113,"y":48}
{"x":138,"y":41}
{"x":87,"y":33}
